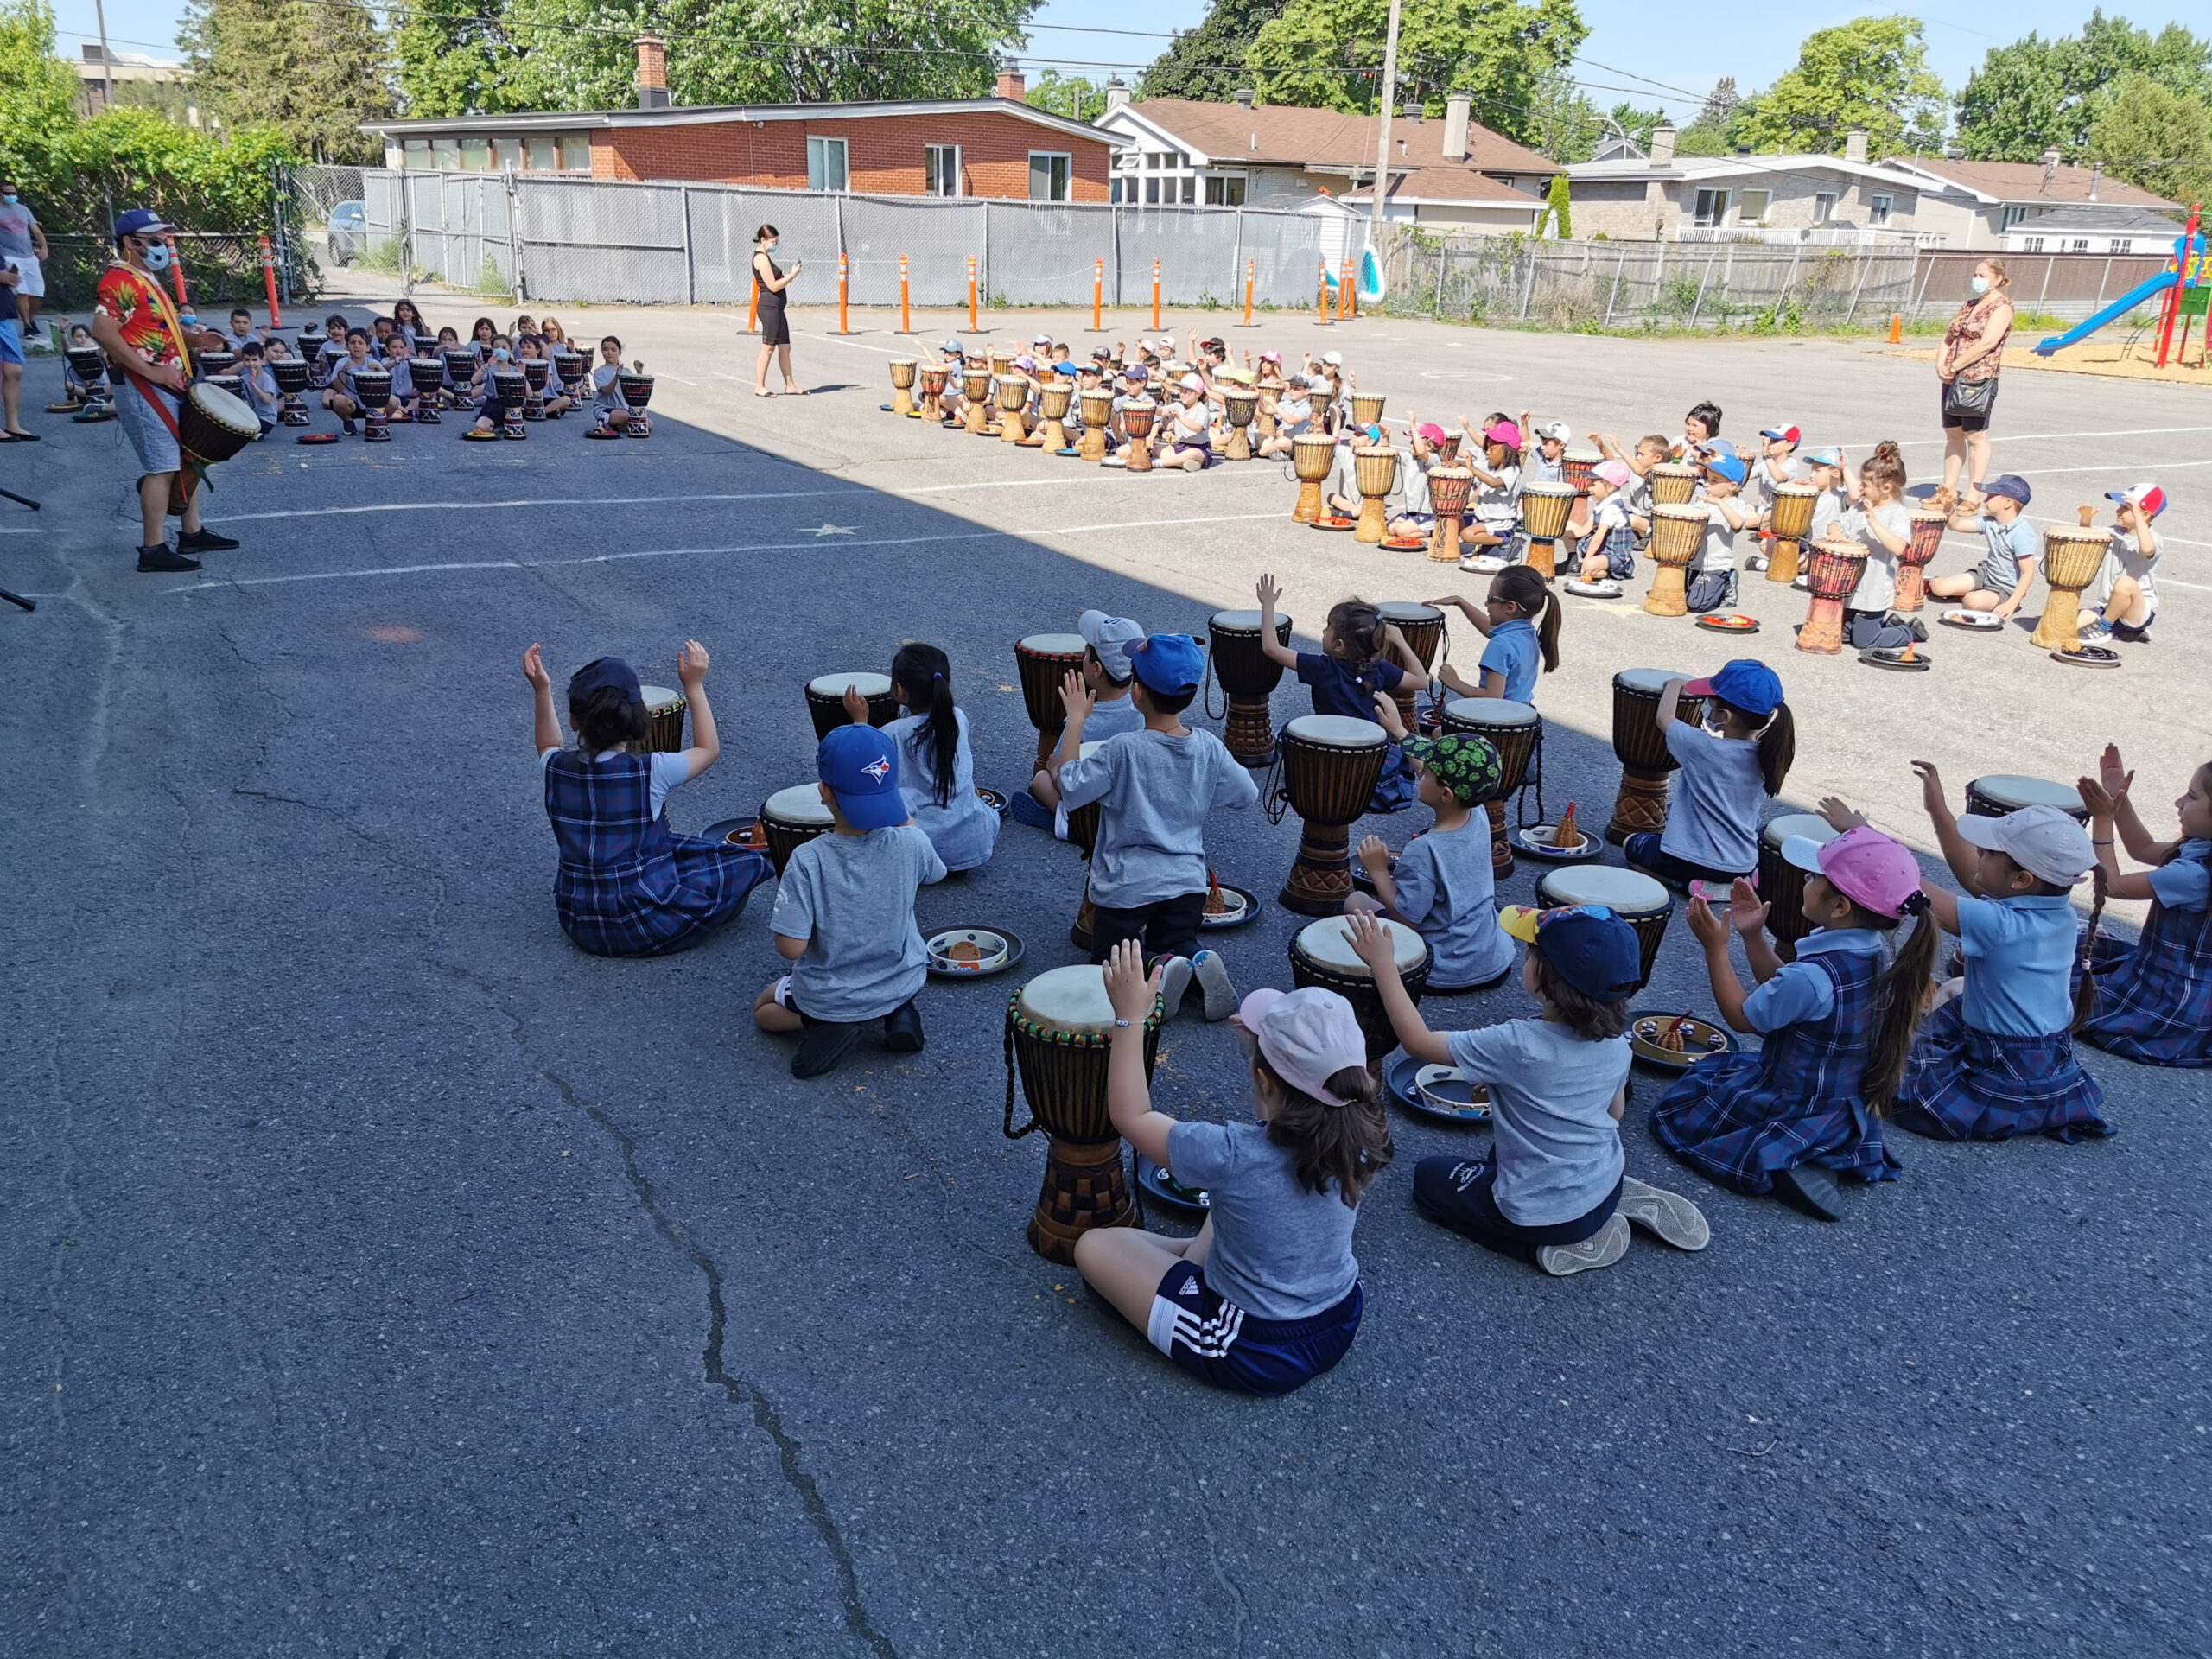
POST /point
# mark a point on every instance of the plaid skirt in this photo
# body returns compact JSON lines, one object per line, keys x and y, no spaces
{"x":2154,"y":998}
{"x":618,"y":914}
{"x":1728,"y":1119}
{"x":1966,"y":1084}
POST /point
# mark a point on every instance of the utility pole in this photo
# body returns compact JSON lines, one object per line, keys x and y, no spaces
{"x":1382,"y":116}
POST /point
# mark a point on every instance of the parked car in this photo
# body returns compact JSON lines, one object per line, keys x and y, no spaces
{"x":348,"y":235}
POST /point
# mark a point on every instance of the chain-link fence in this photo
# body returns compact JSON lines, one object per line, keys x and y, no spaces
{"x":221,"y":269}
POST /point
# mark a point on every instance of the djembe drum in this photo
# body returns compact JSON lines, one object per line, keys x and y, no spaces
{"x":460,"y":369}
{"x":2004,"y":793}
{"x":1312,"y":457}
{"x":1247,"y":677}
{"x":1640,"y":747}
{"x":513,"y":392}
{"x":1321,"y":954}
{"x":1096,"y":406}
{"x":1673,"y":483}
{"x":1014,"y":399}
{"x":213,"y":364}
{"x":1922,"y":544}
{"x":1581,"y":461}
{"x":1239,"y":408}
{"x":88,"y":363}
{"x":1053,"y":410}
{"x":1330,"y":766}
{"x":1041,"y":661}
{"x":976,"y":390}
{"x":1643,"y":903}
{"x":1374,"y":471}
{"x":211,"y":426}
{"x":1832,"y":572}
{"x":2072,"y":556}
{"x":535,"y":372}
{"x":1421,"y":627}
{"x":234,"y":384}
{"x":1677,"y":533}
{"x":1513,"y":729}
{"x":1002,"y":363}
{"x":637,"y":389}
{"x":1545,"y":507}
{"x":1782,"y":884}
{"x":905,"y":370}
{"x":1448,"y":489}
{"x":291,"y":377}
{"x":792,"y":817}
{"x":1058,"y":1035}
{"x":1265,"y":423}
{"x":1137,"y":416}
{"x":825,"y":701}
{"x":570,"y":366}
{"x":374,"y":387}
{"x":427,"y":399}
{"x":663,"y":719}
{"x":1793,"y":523}
{"x":1083,"y":835}
{"x":932,"y":378}
{"x":1366,"y":409}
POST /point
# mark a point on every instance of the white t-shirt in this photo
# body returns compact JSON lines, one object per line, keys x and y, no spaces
{"x":1877,"y":582}
{"x":1494,"y":503}
{"x":1760,"y":485}
{"x":2126,"y":558}
{"x":669,"y":771}
{"x":1718,"y":552}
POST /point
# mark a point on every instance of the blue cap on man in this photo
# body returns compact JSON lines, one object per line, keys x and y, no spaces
{"x":139,"y":221}
{"x":861,"y":765}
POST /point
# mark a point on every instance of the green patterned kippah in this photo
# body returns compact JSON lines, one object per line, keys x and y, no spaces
{"x":1466,"y":765}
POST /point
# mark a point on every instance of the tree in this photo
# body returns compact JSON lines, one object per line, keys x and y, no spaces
{"x":1077,"y":96}
{"x":1870,"y":72}
{"x":1328,"y":54}
{"x":1207,"y":63}
{"x":1564,"y":123}
{"x":1637,"y":125}
{"x":1557,"y":211}
{"x":38,"y":91}
{"x":2157,"y":138}
{"x":2035,"y":93}
{"x":314,"y":73}
{"x":1707,"y":133}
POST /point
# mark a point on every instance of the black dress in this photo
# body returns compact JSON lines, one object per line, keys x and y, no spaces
{"x":775,"y":327}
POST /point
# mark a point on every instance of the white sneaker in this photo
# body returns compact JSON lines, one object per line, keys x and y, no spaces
{"x":1668,"y":1217}
{"x":1174,"y":981}
{"x":1603,"y":1248}
{"x":1213,"y":980}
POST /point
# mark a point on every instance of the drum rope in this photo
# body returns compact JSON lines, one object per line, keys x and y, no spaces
{"x":1274,"y":800}
{"x":1013,"y":1134}
{"x":1533,"y":777}
{"x":1207,"y":680}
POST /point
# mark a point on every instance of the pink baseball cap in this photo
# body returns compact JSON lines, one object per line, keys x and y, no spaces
{"x":1431,"y":433}
{"x":1307,"y":1035}
{"x":1615,"y":473}
{"x":1504,"y":432}
{"x":1873,"y":870}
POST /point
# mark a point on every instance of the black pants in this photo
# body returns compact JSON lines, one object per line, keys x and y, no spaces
{"x":1881,"y":630}
{"x":1456,"y":1192}
{"x":1168,"y":927}
{"x":1708,"y":590}
{"x":1643,"y":850}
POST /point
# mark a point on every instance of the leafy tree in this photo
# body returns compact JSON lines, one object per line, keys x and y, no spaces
{"x":38,"y":91}
{"x":1207,"y":63}
{"x":1564,"y":123}
{"x":1707,"y":133}
{"x":1557,"y":211}
{"x":312,"y":72}
{"x":2035,"y":93}
{"x":1870,"y":72}
{"x":457,"y":57}
{"x":1637,"y":125}
{"x":1071,"y":95}
{"x":2157,"y":138}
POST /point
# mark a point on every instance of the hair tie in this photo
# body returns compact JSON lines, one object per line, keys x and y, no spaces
{"x":936,"y":674}
{"x":1916,"y":904}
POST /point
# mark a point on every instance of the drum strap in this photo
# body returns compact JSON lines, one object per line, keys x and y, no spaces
{"x":193,"y":473}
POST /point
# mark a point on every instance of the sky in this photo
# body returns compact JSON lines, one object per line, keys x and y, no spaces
{"x":1761,"y":42}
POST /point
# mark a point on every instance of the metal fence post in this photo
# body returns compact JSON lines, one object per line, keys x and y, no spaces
{"x":1927,"y":271}
{"x":2049,"y":260}
{"x":1528,"y":291}
{"x":690,"y":274}
{"x":1789,"y":276}
{"x":406,"y":232}
{"x":986,"y":266}
{"x":1855,"y":289}
{"x":1698,"y":304}
{"x":2102,"y":281}
{"x":1443,"y":252}
{"x":1612,"y":297}
{"x":1116,"y":212}
{"x":514,"y":238}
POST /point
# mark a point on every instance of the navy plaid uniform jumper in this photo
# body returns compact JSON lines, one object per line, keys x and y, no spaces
{"x":2154,"y":999}
{"x":1963,"y":1083}
{"x":627,"y":886}
{"x":1620,"y":561}
{"x":1740,"y":1117}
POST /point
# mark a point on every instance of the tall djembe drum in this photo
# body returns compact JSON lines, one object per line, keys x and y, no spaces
{"x":1793,"y":523}
{"x":1312,"y":456}
{"x":1513,"y":729}
{"x":1677,"y":533}
{"x":1448,"y":489}
{"x":1366,"y":409}
{"x":975,"y":397}
{"x":1579,"y":462}
{"x":1330,"y":765}
{"x":1238,"y":408}
{"x":1052,"y":413}
{"x":1673,"y":483}
{"x":1782,"y":884}
{"x":1545,"y":508}
{"x":1097,"y":408}
{"x":1138,"y":415}
{"x":1374,"y":470}
{"x":1922,"y":544}
{"x":1014,"y":399}
{"x":932,"y":392}
{"x":905,"y":370}
{"x":1421,"y":627}
{"x":1041,"y":661}
{"x":1831,"y":572}
{"x":1641,"y":749}
{"x":2072,"y":556}
{"x":1249,"y":677}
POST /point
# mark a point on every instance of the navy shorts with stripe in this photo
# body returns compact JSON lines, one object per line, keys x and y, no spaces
{"x":1211,"y":1337}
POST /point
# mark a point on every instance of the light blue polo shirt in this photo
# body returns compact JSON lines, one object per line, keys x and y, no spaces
{"x":1515,"y":651}
{"x":2020,"y":964}
{"x":1800,"y":992}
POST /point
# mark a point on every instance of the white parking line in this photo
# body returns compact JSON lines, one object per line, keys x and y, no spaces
{"x":543,"y":501}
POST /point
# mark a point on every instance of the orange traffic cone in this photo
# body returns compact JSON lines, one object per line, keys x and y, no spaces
{"x":1897,"y":328}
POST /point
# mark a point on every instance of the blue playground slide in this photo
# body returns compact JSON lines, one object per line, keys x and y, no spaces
{"x":2113,"y":313}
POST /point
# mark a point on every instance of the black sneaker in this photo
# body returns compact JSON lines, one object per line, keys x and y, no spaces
{"x":821,"y":1048}
{"x":347,"y":426}
{"x":1812,"y":1189}
{"x":203,"y":540}
{"x":165,"y":558}
{"x":902,"y":1029}
{"x":2126,"y":635}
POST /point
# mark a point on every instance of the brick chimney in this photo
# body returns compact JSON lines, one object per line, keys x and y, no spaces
{"x":1012,"y":85}
{"x":1854,"y":145}
{"x":653,"y":73}
{"x":1117,"y":94}
{"x":1456,"y":110}
{"x":1663,"y":145}
{"x":2050,"y":160}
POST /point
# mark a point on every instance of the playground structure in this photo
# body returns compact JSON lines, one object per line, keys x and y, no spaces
{"x":2186,"y":284}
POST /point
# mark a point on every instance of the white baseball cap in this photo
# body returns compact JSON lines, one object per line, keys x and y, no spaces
{"x":1334,"y":359}
{"x":2042,"y":840}
{"x":1110,"y":637}
{"x":1307,"y":1036}
{"x":1558,"y":429}
{"x":1191,"y":383}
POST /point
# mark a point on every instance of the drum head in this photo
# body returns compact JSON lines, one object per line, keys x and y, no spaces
{"x":1676,"y":509}
{"x":1070,"y":999}
{"x":224,"y":407}
{"x":658,"y":697}
{"x":2012,"y":791}
{"x":1337,"y":731}
{"x":1054,"y":645}
{"x":1646,"y":679}
{"x":832,"y":686}
{"x":1811,"y":825}
{"x":1495,"y":712}
{"x":1328,"y":943}
{"x":1583,"y":455}
{"x":1247,"y":621}
{"x":1624,"y":891}
{"x":801,"y":803}
{"x":1401,"y":611}
{"x":1545,"y":486}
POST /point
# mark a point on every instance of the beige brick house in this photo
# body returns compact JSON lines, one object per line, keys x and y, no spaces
{"x":1840,"y":199}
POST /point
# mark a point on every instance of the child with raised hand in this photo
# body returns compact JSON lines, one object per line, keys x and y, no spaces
{"x":1883,"y":522}
{"x":1443,"y":885}
{"x":1492,"y":531}
{"x":844,"y":914}
{"x":628,"y":885}
{"x":1834,"y":1026}
{"x":2127,"y":600}
{"x":1650,"y":450}
{"x":1730,"y":764}
{"x":608,"y":403}
{"x":1997,"y":1060}
{"x":1712,"y":578}
{"x":1553,"y":1191}
{"x":936,"y":767}
{"x":2000,"y":582}
{"x":1361,"y":655}
{"x":1107,"y":674}
{"x":2154,"y":998}
{"x":1699,"y":428}
{"x":1154,"y":788}
{"x":1519,"y":622}
{"x":1267,"y":1296}
{"x":1772,"y":465}
{"x":1547,"y":461}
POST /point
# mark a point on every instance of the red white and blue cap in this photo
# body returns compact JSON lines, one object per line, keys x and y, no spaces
{"x":1786,"y":433}
{"x":2146,"y":498}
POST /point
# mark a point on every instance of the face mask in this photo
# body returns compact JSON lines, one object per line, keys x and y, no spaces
{"x":500,"y":354}
{"x":157,"y":257}
{"x":1981,"y":286}
{"x":9,"y":197}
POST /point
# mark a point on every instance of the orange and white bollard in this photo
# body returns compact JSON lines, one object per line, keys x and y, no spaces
{"x":972,"y":324}
{"x":905,"y":309}
{"x":1251,"y":272}
{"x":753,"y":308}
{"x":844,"y":322}
{"x":1322,"y":303}
{"x":176,"y":271}
{"x":1155,"y":296}
{"x":1098,"y":296}
{"x":268,"y":276}
{"x":1346,"y":307}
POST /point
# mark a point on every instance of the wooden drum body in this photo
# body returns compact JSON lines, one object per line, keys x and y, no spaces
{"x":1374,"y":471}
{"x":1641,"y":749}
{"x":1514,"y":729}
{"x":905,"y":370}
{"x":2003,"y":793}
{"x":1925,"y":541}
{"x":1083,"y":835}
{"x":1580,"y":462}
{"x":1673,"y":483}
{"x":1422,"y":628}
{"x":1640,"y":901}
{"x":1057,"y":1038}
{"x":1042,"y":660}
{"x":2072,"y":556}
{"x":1331,"y":765}
{"x":933,"y":379}
{"x":1448,"y":489}
{"x":1239,"y":408}
{"x":1249,"y":677}
{"x":975,"y":397}
{"x":792,"y":817}
{"x":1053,"y":412}
{"x":1545,"y":508}
{"x":1137,"y":417}
{"x":1014,"y":399}
{"x":1321,"y":954}
{"x":1677,"y":532}
{"x":1831,"y":573}
{"x":825,"y":701}
{"x":1782,"y":884}
{"x":663,"y":719}
{"x":1097,"y":410}
{"x":1311,"y":456}
{"x":1366,"y":409}
{"x":1793,"y":523}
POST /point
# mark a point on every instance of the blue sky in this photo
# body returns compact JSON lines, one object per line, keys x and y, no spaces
{"x":1758,"y":44}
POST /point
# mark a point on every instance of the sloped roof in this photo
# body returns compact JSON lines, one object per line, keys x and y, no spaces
{"x":686,"y":115}
{"x":1459,"y":186}
{"x":2025,"y":182}
{"x":1729,"y":167}
{"x":1327,"y":139}
{"x":2101,"y":216}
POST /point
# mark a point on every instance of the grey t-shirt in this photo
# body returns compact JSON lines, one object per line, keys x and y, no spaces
{"x":852,"y":898}
{"x":1760,"y":483}
{"x":1714,"y":820}
{"x":1280,"y":1250}
{"x":965,"y":829}
{"x":1999,"y":570}
{"x":15,"y":232}
{"x":1558,"y":1148}
{"x":1877,"y":582}
{"x":1447,"y":890}
{"x":1154,"y":791}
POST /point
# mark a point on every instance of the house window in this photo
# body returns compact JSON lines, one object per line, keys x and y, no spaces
{"x":1113,"y":191}
{"x":2081,"y":245}
{"x":542,"y":154}
{"x":1712,"y":207}
{"x":1225,"y":192}
{"x":1877,"y":209}
{"x":940,"y":170}
{"x":2031,"y":245}
{"x":2014,"y":216}
{"x":418,"y":155}
{"x":2122,"y":244}
{"x":475,"y":155}
{"x":1048,"y":175}
{"x":1190,"y":192}
{"x":1754,"y":205}
{"x":825,"y":164}
{"x":1823,"y":207}
{"x":1151,"y":190}
{"x":575,"y":152}
{"x":445,"y":155}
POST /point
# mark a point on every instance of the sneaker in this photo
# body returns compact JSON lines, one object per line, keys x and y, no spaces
{"x":2128,"y":636}
{"x":1728,"y":595}
{"x":2097,"y":633}
{"x":347,"y":426}
{"x":1757,"y":563}
{"x":902,"y":1029}
{"x":1812,"y":1189}
{"x":1174,"y":982}
{"x":1668,"y":1217}
{"x":1024,"y":808}
{"x":1212,"y":974}
{"x":1603,"y":1248}
{"x":821,"y":1047}
{"x":165,"y":558}
{"x":203,"y":540}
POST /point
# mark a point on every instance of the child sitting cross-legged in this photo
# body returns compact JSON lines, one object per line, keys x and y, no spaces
{"x":1361,"y":655}
{"x":1108,"y":674}
{"x":936,"y":767}
{"x":1555,"y":1191}
{"x":844,"y":914}
{"x":2154,"y":997}
{"x":1731,"y":761}
{"x":1267,"y":1296}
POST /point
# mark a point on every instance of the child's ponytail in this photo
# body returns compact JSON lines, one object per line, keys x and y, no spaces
{"x":924,"y":673}
{"x":1899,"y":998}
{"x":1885,"y":468}
{"x":1777,"y":748}
{"x":1548,"y":631}
{"x":2085,"y":989}
{"x":1357,"y":627}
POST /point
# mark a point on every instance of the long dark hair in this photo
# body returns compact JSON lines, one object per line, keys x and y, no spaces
{"x":1357,"y":627}
{"x":476,"y":331}
{"x":925,"y":674}
{"x":1898,"y":997}
{"x":2085,"y":990}
{"x":1349,"y":1145}
{"x":1778,"y":740}
{"x":765,"y":232}
{"x":413,"y":320}
{"x":1520,"y":587}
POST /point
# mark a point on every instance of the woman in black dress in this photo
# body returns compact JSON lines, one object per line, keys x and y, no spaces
{"x":775,"y":326}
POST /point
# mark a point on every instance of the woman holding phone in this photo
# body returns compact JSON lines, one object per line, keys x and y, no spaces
{"x":775,"y":326}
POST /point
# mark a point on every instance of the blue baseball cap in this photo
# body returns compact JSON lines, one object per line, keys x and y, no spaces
{"x":139,"y":221}
{"x":1168,"y":662}
{"x":861,"y":765}
{"x":2011,"y":487}
{"x":600,"y":673}
{"x":1825,"y":458}
{"x":1720,"y":461}
{"x":1751,"y":686}
{"x":1589,"y":947}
